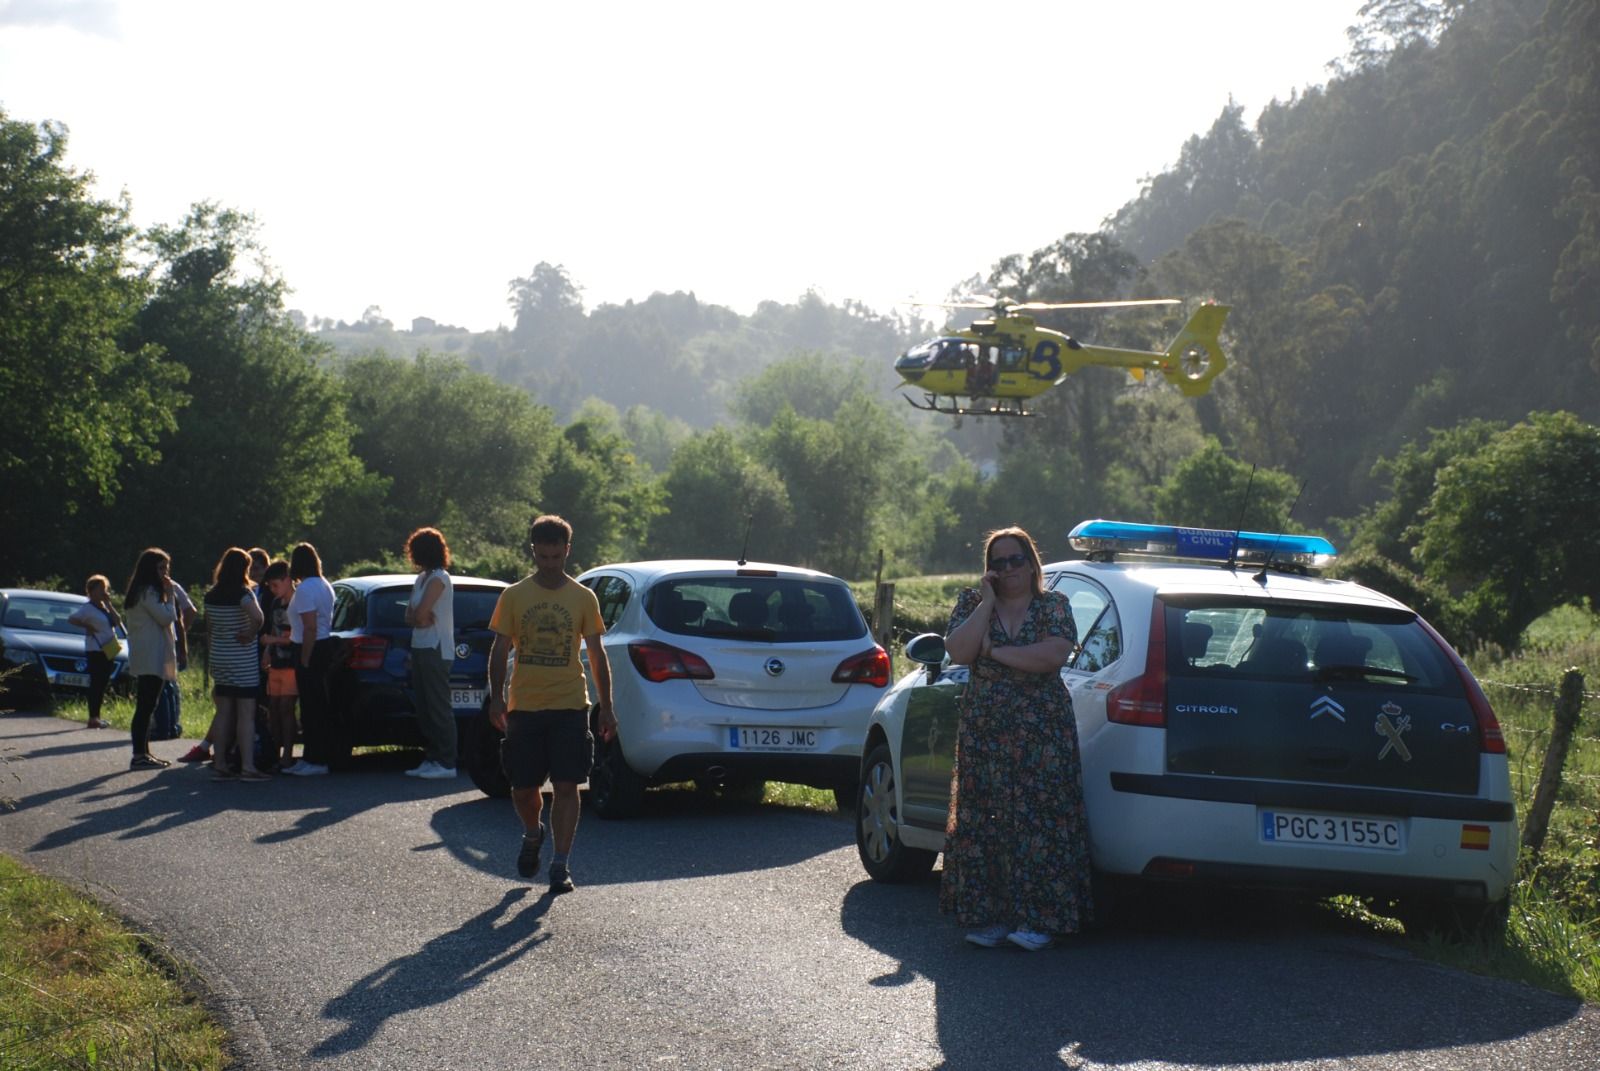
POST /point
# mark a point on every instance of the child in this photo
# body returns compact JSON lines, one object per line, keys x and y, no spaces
{"x":278,"y":656}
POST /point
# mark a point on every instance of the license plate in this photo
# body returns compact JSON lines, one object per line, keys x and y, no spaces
{"x":747,"y":738}
{"x":1335,"y":830}
{"x":466,"y":697}
{"x":72,"y":680}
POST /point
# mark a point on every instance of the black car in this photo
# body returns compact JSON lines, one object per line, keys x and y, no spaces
{"x":370,"y":683}
{"x":41,"y":652}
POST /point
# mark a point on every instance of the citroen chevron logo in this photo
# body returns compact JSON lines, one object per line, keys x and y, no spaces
{"x":1326,"y":704}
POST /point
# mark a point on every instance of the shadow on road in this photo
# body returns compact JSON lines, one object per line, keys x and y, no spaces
{"x":129,"y":804}
{"x":438,"y":972}
{"x":671,"y":840}
{"x":1204,"y":985}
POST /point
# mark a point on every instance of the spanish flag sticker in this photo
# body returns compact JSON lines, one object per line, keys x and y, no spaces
{"x":1475,"y":838}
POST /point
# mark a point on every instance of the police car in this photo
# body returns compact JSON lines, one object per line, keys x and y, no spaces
{"x":1242,"y":722}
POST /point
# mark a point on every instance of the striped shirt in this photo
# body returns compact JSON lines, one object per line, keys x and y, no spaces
{"x":232,"y":663}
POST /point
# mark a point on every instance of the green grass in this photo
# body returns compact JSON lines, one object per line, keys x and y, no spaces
{"x":194,"y":690}
{"x":80,"y":991}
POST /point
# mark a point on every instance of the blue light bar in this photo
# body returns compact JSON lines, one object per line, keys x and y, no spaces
{"x":1201,"y":544}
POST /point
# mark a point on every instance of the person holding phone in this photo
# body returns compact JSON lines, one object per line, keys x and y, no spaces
{"x":1016,"y":859}
{"x":150,"y":609}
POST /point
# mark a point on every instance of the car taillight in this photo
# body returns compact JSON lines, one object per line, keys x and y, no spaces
{"x":366,"y":652}
{"x":868,"y":667}
{"x":658,"y":662}
{"x":1143,"y":700}
{"x":1490,"y":739}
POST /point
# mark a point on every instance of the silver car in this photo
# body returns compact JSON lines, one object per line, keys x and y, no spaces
{"x":732,"y":674}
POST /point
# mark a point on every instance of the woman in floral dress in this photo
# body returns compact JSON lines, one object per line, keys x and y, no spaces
{"x":1016,"y":859}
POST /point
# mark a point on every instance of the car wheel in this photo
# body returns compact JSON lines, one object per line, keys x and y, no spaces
{"x":615,"y":790}
{"x":479,"y":744}
{"x":885,"y":856}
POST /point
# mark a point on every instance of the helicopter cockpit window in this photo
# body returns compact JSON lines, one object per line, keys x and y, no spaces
{"x":952,"y":353}
{"x":1012,"y":358}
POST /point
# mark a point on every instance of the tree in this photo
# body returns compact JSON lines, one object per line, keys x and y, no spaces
{"x":1392,"y":527}
{"x":813,"y":385}
{"x":714,"y":493}
{"x":1512,"y":525}
{"x":454,"y":445}
{"x":1213,"y":490}
{"x":598,"y":485}
{"x":267,"y":437}
{"x":79,"y":405}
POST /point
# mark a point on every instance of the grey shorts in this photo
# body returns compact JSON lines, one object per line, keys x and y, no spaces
{"x":547,"y":743}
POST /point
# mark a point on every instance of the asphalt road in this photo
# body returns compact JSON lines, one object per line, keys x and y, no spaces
{"x":370,"y":920}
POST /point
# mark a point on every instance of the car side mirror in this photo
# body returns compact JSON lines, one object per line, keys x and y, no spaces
{"x":926,"y":649}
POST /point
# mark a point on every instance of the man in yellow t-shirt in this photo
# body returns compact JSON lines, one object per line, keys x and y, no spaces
{"x":543,"y":618}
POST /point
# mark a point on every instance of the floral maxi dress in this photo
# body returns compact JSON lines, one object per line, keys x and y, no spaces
{"x":1017,"y":842}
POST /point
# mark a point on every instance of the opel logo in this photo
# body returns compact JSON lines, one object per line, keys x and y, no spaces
{"x":462,"y":650}
{"x":774,"y":667}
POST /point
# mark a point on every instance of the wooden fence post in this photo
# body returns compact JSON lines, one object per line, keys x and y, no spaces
{"x":1569,"y":702}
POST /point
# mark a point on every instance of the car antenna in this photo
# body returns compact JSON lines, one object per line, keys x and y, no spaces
{"x":1244,"y":501}
{"x":1261,"y":577}
{"x":745,"y":550}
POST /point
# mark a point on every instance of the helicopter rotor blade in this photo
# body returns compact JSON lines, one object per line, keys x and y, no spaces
{"x":1033,"y":306}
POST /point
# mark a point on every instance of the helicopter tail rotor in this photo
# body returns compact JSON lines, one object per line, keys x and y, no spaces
{"x":1195,"y":357}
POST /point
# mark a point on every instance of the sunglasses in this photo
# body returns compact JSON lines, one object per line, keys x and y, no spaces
{"x":1011,"y":561}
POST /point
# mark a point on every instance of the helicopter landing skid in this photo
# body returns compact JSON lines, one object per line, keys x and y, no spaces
{"x":1007,"y":407}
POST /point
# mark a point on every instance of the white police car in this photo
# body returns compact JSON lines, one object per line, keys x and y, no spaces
{"x":1241,"y":722}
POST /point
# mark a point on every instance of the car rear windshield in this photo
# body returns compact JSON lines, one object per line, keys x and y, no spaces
{"x":772,"y":609}
{"x":43,"y":615}
{"x":473,"y":607}
{"x":1303,"y":642}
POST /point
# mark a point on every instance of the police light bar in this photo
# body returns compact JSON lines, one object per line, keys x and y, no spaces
{"x":1100,"y":539}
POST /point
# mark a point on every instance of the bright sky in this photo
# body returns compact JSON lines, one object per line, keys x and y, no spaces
{"x":418,"y":157}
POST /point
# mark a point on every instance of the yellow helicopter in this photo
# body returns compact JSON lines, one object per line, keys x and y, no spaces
{"x":998,"y":364}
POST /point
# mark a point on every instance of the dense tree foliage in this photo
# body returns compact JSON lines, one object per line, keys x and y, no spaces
{"x":80,"y":401}
{"x":1511,"y":526}
{"x":265,"y":437}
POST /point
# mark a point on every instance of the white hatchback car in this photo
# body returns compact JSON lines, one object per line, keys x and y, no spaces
{"x":732,"y":674}
{"x":1241,"y":723}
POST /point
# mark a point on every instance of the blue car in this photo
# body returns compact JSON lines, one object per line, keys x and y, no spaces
{"x":370,"y":683}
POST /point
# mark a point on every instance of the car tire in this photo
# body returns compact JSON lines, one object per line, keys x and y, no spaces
{"x":615,"y":790}
{"x":480,"y":754}
{"x":885,"y":856}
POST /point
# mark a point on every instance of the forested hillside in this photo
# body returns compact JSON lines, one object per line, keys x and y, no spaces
{"x":1412,"y":253}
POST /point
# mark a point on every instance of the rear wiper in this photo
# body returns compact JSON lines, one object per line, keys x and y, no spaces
{"x":1352,"y":670}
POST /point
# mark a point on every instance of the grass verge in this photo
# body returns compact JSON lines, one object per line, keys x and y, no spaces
{"x":80,"y":991}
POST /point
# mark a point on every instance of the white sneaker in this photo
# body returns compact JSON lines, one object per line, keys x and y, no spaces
{"x":423,"y":769}
{"x":307,"y":769}
{"x":435,"y":772}
{"x":1032,"y":940}
{"x":292,"y":767}
{"x":989,"y":937}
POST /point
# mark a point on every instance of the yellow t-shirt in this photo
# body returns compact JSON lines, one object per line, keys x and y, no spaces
{"x":546,"y":627}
